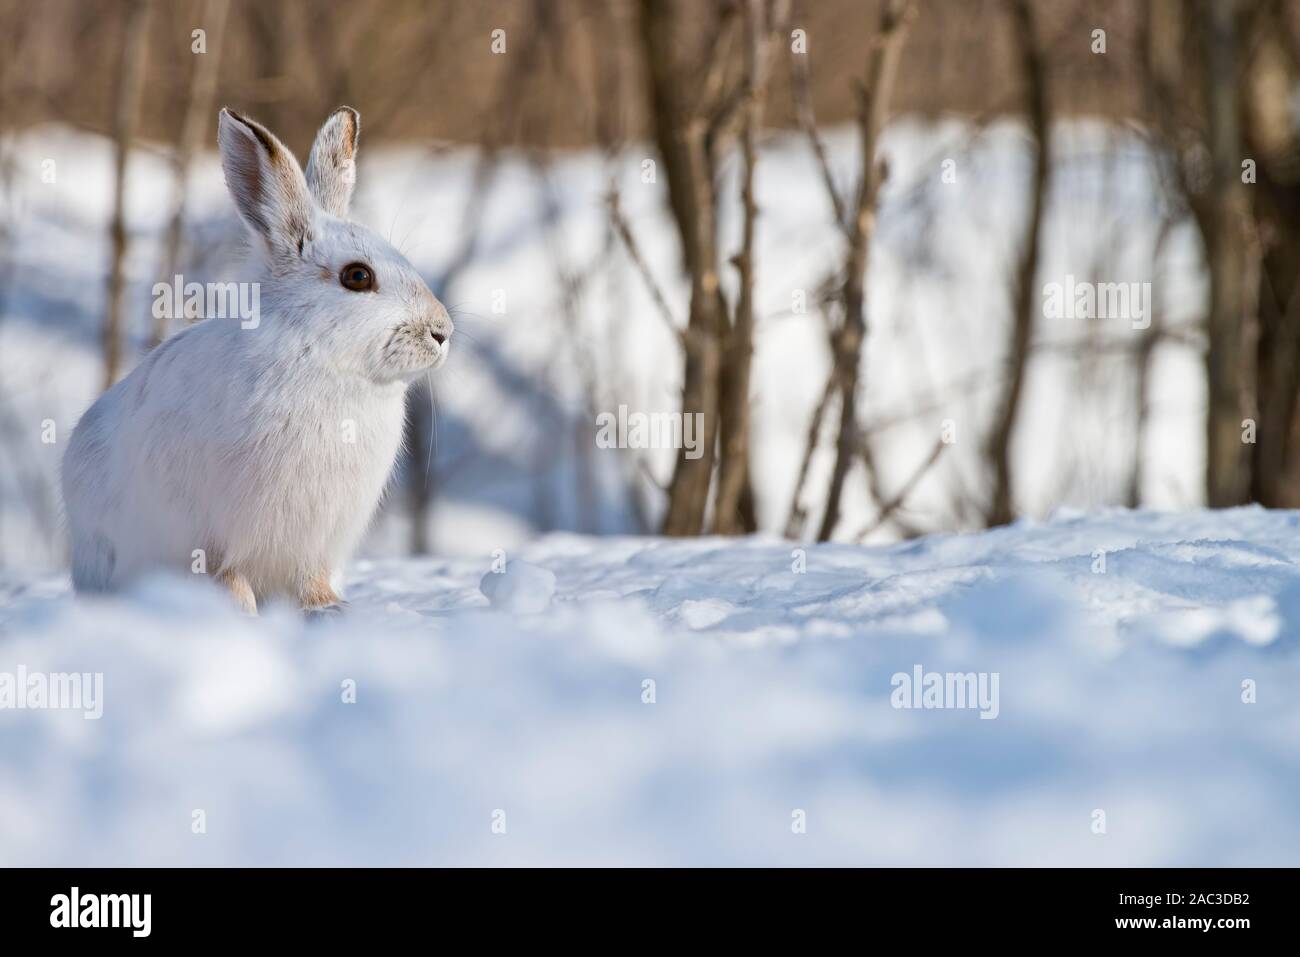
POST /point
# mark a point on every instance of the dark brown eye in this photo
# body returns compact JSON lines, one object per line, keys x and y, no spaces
{"x":357,"y":277}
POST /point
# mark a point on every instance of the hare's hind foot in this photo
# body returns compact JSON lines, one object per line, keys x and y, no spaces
{"x":318,"y":598}
{"x":326,"y":612}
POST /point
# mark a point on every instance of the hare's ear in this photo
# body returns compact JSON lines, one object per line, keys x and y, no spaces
{"x":266,"y":183}
{"x":332,"y":167}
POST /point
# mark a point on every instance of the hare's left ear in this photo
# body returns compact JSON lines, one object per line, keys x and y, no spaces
{"x":266,"y":184}
{"x":332,"y":167}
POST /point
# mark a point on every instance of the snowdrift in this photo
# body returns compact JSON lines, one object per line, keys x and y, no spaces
{"x":703,"y":702}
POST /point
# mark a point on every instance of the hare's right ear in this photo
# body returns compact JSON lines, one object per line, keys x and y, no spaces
{"x":332,"y":166}
{"x":265,"y":182}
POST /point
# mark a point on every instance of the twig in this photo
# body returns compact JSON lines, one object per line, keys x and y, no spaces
{"x":798,"y":511}
{"x":808,"y":123}
{"x":889,"y":508}
{"x":634,"y":253}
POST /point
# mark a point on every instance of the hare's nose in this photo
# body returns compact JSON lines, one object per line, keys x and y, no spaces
{"x":437,"y":323}
{"x":440,"y":328}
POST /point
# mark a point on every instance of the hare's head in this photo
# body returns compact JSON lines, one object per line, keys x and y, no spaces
{"x":338,"y":285}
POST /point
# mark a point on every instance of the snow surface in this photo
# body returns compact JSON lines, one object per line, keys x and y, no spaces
{"x":1120,"y":690}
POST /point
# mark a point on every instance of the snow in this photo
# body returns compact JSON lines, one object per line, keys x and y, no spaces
{"x":518,"y":586}
{"x":682,"y":702}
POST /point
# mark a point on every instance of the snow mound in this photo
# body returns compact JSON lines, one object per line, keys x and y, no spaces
{"x":688,"y":702}
{"x":519,"y":587}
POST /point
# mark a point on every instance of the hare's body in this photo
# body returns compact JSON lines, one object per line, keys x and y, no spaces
{"x":274,"y":469}
{"x":257,"y":455}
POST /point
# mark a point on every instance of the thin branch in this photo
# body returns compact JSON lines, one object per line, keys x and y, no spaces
{"x":808,"y":123}
{"x":634,"y":253}
{"x":894,"y":504}
{"x":798,"y":510}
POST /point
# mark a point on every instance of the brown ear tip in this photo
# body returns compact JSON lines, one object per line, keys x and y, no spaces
{"x":237,"y":117}
{"x":263,"y":135}
{"x":352,"y":115}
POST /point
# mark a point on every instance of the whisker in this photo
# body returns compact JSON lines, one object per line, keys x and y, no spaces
{"x":414,"y":226}
{"x":407,"y":251}
{"x":392,"y":223}
{"x":469,"y":321}
{"x":477,"y":342}
{"x":433,"y":429}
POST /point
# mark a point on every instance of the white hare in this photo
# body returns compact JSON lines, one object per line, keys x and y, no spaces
{"x":267,"y":448}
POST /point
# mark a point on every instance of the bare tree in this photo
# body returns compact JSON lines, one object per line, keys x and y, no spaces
{"x":1202,"y":128}
{"x":270,"y":31}
{"x":572,"y":284}
{"x":1142,"y":361}
{"x":14,"y":32}
{"x":1227,"y":463}
{"x":198,"y":118}
{"x":695,"y":105}
{"x":127,"y":107}
{"x":1001,"y":505}
{"x":1272,"y":135}
{"x":421,"y":424}
{"x":734,"y":507}
{"x":847,"y":343}
{"x":681,"y":119}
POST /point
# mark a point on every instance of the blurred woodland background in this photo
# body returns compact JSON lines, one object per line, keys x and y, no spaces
{"x":759,"y":116}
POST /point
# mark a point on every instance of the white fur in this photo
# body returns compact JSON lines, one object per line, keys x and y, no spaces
{"x":235,"y":440}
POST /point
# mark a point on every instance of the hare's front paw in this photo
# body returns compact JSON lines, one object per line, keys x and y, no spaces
{"x":239,"y":589}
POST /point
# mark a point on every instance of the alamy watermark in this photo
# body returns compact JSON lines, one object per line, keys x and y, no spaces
{"x":130,"y":911}
{"x":179,"y":299}
{"x":946,"y":690}
{"x":1098,"y":300}
{"x":24,"y":690}
{"x":651,"y":430}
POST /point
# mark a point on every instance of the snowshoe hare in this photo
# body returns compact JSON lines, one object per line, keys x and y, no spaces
{"x":260,"y":454}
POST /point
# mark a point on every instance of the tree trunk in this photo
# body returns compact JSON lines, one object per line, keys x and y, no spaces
{"x":198,"y":118}
{"x":733,"y":510}
{"x":882,"y":67}
{"x":1227,"y":478}
{"x":130,"y":78}
{"x":1001,"y":504}
{"x":1273,"y":139}
{"x":680,"y":135}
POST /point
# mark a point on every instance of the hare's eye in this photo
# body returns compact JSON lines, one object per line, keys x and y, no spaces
{"x":357,"y":277}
